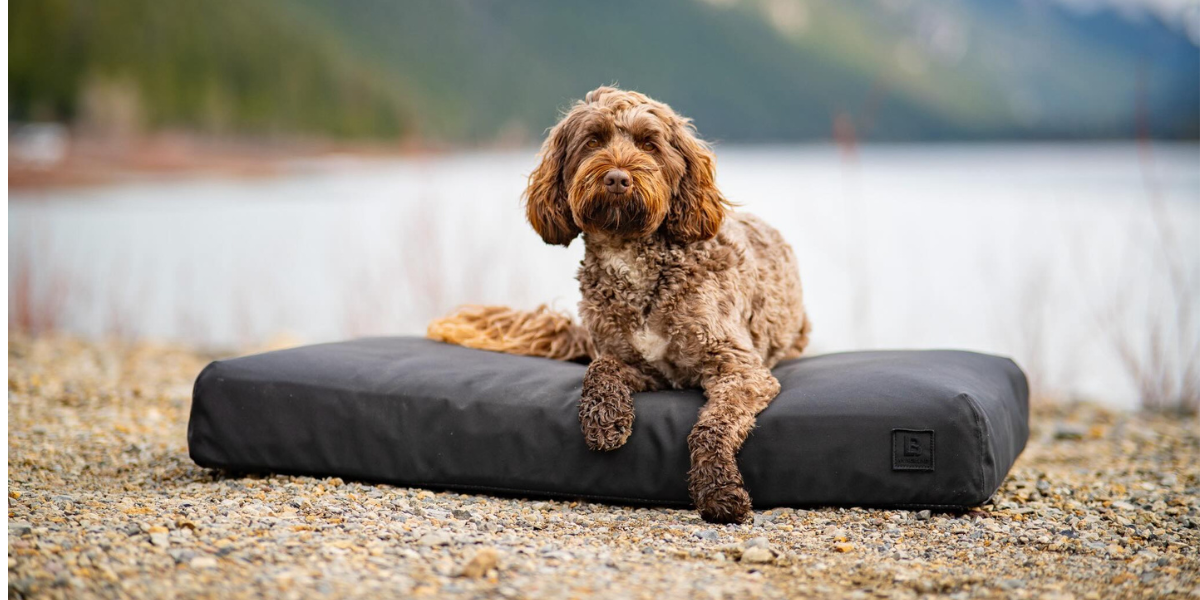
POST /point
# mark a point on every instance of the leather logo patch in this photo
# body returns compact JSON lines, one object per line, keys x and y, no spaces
{"x":912,"y":450}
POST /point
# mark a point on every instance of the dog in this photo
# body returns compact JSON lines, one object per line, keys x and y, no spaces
{"x":679,"y":290}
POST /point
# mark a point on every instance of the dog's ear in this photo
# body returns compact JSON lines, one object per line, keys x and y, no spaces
{"x":546,"y":204}
{"x":698,"y":208}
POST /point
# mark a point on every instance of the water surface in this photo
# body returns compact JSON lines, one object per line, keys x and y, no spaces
{"x":1057,"y":255}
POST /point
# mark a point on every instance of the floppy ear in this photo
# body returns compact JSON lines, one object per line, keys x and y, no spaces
{"x":698,"y":208}
{"x":546,"y":195}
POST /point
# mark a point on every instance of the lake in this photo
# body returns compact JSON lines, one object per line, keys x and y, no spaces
{"x":1080,"y":261}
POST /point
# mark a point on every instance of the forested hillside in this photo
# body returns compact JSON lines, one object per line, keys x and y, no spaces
{"x":223,"y":66}
{"x":462,"y":71}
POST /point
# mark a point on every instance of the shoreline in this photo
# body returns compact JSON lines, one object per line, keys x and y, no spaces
{"x":83,"y":161}
{"x":104,"y":501}
{"x":68,"y":161}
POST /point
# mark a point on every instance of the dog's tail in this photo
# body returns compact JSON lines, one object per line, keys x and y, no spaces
{"x":540,"y":332}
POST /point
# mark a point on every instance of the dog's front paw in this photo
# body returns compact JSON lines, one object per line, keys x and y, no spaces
{"x":726,"y":504}
{"x":606,"y":417}
{"x":716,"y":488}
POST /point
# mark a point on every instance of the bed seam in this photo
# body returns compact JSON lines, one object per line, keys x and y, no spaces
{"x":975,"y":414}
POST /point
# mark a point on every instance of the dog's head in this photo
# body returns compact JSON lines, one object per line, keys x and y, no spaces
{"x":622,"y":164}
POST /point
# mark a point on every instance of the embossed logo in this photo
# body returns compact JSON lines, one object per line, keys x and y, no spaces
{"x":912,"y":450}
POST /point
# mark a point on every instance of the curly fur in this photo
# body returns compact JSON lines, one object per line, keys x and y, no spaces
{"x":541,"y":332}
{"x":678,"y":290}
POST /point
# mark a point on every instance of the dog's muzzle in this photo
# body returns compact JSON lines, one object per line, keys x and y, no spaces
{"x":623,"y":200}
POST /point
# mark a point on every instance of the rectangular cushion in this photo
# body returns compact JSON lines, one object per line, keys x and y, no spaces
{"x":932,"y":428}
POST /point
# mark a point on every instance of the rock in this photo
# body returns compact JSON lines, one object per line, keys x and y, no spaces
{"x":758,"y":542}
{"x":159,"y":536}
{"x":484,"y":560}
{"x":181,"y":555}
{"x":19,"y":528}
{"x":757,"y":555}
{"x":462,"y":514}
{"x":837,"y":533}
{"x":1123,"y":505}
{"x":1012,"y":584}
{"x":843,"y":547}
{"x":434,"y":539}
{"x":708,"y":535}
{"x":203,"y":562}
{"x":1057,"y":596}
{"x":1069,"y":431}
{"x":924,"y":515}
{"x":24,"y":586}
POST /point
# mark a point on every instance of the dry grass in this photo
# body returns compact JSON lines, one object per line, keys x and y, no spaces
{"x":37,"y":299}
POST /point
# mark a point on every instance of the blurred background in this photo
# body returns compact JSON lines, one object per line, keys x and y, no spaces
{"x":1015,"y":177}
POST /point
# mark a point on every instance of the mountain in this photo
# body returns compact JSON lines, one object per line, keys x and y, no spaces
{"x":475,"y":71}
{"x":222,"y":66}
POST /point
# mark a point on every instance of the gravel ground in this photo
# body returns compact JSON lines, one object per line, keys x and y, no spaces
{"x":103,"y":501}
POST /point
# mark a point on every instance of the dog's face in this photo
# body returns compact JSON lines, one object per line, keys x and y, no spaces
{"x":624,"y":165}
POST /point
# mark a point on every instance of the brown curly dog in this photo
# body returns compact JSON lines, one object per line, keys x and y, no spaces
{"x":678,"y":290}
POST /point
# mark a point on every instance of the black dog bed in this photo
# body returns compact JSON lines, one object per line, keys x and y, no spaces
{"x":935,"y":429}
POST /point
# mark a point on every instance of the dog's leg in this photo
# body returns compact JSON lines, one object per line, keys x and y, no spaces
{"x":736,"y":392}
{"x":606,"y":407}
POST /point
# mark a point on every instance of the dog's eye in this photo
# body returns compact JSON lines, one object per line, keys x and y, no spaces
{"x":593,"y":142}
{"x":648,"y":146}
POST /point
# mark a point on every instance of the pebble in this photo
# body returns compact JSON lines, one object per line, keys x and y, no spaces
{"x":484,"y":560}
{"x":159,"y":536}
{"x":121,"y":511}
{"x":181,"y":555}
{"x":434,"y":539}
{"x":757,"y":554}
{"x":1069,"y":431}
{"x":438,"y":514}
{"x":204,"y":562}
{"x":1012,"y":584}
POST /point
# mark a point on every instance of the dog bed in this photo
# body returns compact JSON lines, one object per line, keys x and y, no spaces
{"x":929,"y":429}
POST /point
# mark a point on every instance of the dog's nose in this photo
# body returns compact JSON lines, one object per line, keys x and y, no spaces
{"x":616,"y":181}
